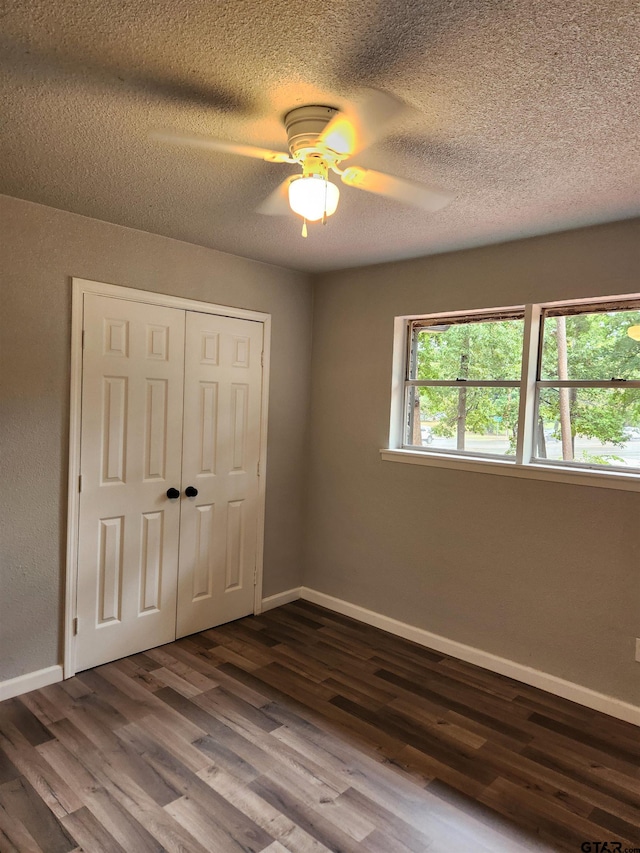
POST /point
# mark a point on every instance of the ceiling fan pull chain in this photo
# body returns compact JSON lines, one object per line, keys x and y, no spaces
{"x":304,"y":227}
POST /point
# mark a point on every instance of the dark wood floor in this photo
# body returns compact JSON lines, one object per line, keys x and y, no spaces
{"x":304,"y":731}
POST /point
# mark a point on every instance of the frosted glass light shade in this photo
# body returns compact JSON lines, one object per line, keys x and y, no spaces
{"x":312,"y":197}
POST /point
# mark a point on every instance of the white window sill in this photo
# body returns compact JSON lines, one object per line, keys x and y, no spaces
{"x":534,"y":471}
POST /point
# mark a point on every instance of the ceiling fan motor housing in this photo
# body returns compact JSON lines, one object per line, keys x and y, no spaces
{"x":304,"y":125}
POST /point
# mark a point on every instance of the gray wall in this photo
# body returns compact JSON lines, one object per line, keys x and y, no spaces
{"x":40,"y":249}
{"x":545,"y":574}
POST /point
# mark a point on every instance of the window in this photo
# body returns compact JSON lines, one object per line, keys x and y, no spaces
{"x":555,"y":386}
{"x":588,"y":387}
{"x":463,"y":383}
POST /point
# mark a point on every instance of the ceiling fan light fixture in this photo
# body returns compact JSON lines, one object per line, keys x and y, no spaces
{"x":313,"y":197}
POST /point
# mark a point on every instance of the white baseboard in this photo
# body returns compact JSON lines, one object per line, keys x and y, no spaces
{"x":280,"y":598}
{"x":551,"y":683}
{"x":30,"y":681}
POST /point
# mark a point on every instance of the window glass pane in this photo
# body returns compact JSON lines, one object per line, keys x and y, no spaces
{"x":603,"y":426}
{"x":591,"y":346}
{"x":491,"y":349}
{"x":477,"y":420}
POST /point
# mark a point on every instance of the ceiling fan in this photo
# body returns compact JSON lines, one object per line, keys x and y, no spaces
{"x":320,"y":138}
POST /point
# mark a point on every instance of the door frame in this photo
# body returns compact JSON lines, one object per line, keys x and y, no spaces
{"x":80,"y":286}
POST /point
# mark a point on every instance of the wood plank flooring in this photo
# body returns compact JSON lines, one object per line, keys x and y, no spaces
{"x":301,"y":730}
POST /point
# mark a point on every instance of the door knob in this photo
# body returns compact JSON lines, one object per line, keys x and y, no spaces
{"x":191,"y":491}
{"x":172,"y":494}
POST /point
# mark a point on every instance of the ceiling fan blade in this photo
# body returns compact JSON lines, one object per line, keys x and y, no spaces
{"x":212,"y":144}
{"x":361,"y":125}
{"x":277,"y":204}
{"x":409,"y":192}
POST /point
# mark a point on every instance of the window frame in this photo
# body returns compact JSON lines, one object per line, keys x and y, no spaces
{"x":524,"y":463}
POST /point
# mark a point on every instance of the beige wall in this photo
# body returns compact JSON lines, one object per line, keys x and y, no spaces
{"x":40,"y":249}
{"x":545,"y":574}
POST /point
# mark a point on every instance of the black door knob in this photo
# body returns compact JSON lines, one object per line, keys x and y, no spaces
{"x":172,"y":494}
{"x":191,"y":491}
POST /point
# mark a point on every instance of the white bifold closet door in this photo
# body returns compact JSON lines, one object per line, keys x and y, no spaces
{"x":221,"y":449}
{"x":170,"y":400}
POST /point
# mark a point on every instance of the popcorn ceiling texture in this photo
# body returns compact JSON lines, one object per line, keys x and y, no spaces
{"x":527,"y":111}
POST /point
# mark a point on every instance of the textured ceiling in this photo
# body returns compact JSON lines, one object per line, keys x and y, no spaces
{"x":528,"y":111}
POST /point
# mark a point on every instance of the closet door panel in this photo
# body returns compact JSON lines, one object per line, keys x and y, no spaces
{"x":131,"y":449}
{"x":221,"y":446}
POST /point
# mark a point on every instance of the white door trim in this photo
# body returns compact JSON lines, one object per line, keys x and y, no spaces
{"x":81,"y":286}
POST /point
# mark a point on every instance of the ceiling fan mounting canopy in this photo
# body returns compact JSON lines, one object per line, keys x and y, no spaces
{"x":304,"y":126}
